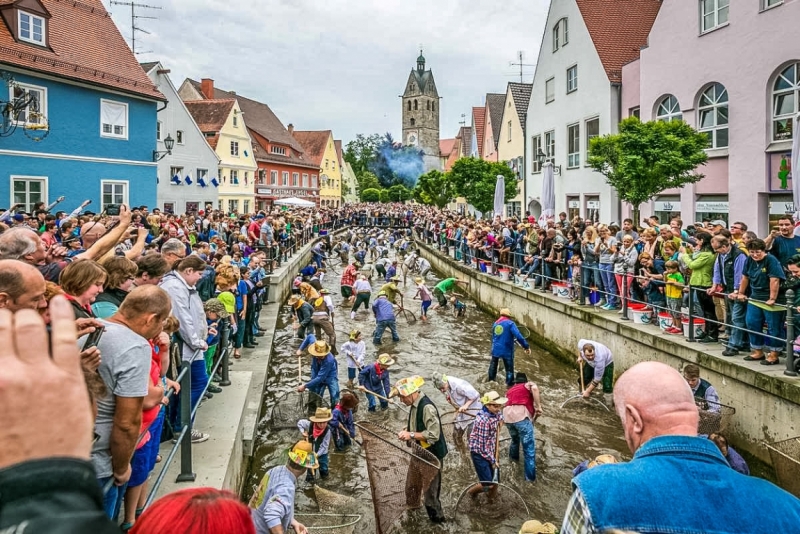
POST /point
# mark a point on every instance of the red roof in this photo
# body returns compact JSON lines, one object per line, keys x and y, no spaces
{"x":619,"y":29}
{"x":479,"y":123}
{"x":446,"y":146}
{"x":313,"y":143}
{"x":84,"y":45}
{"x":210,"y":115}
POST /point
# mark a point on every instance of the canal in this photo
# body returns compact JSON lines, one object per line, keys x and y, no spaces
{"x":458,"y":347}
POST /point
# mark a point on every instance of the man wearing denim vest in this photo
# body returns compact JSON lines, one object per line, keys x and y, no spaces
{"x":676,"y":482}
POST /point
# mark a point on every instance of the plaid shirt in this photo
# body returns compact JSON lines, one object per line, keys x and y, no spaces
{"x":578,"y":518}
{"x":484,"y":434}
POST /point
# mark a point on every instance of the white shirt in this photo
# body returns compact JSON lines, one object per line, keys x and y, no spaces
{"x":460,"y":392}
{"x":361,"y":286}
{"x":602,"y":357}
{"x":355,"y":353}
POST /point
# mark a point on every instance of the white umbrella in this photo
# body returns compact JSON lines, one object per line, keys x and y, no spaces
{"x":795,"y":166}
{"x":294,"y":201}
{"x":499,"y":195}
{"x":548,"y":194}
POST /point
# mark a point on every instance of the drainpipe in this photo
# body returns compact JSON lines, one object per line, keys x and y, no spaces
{"x":524,"y":171}
{"x":617,"y":86}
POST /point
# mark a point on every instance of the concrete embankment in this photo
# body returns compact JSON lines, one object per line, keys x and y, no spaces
{"x":765,"y":400}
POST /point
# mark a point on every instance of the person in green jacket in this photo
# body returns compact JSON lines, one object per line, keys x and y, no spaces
{"x":445,"y":286}
{"x":701,"y":263}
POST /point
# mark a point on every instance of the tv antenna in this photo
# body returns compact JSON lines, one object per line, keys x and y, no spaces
{"x":463,"y":120}
{"x":134,"y":18}
{"x":520,"y":57}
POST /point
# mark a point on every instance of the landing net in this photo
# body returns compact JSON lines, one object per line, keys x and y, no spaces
{"x":295,"y":406}
{"x":332,"y":523}
{"x":398,"y":474}
{"x":785,"y":456}
{"x":714,"y":417}
{"x":506,"y":505}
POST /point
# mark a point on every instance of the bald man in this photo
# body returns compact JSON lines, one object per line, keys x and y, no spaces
{"x":676,"y":482}
{"x":22,"y":286}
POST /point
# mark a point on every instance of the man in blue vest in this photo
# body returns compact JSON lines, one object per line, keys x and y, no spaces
{"x":504,"y":334}
{"x":675,"y":480}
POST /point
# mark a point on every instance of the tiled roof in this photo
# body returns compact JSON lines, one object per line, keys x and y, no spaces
{"x":446,"y":146}
{"x":84,"y":45}
{"x":466,"y":140}
{"x":210,"y":115}
{"x":619,"y":29}
{"x":338,"y":146}
{"x":314,"y":143}
{"x":146,"y":66}
{"x":521,"y":93}
{"x":479,"y":122}
{"x":494,"y":105}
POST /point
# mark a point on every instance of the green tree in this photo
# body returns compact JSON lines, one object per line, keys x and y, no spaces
{"x":475,"y":179}
{"x":362,"y":151}
{"x":370,"y":195}
{"x":646,"y":158}
{"x":434,"y":187}
{"x":368,"y":180}
{"x":384,"y":195}
{"x":399,"y":193}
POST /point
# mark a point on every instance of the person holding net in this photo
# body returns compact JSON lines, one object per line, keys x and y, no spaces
{"x":323,"y":372}
{"x":483,"y":445}
{"x":375,"y":379}
{"x":464,"y":398}
{"x":317,"y":431}
{"x":596,"y":367}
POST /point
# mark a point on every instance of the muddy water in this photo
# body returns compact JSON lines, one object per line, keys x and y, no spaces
{"x":458,"y":347}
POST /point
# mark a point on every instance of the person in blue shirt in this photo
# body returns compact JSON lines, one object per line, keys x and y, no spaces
{"x":504,"y":335}
{"x":309,"y":270}
{"x":375,"y":378}
{"x":781,"y":242}
{"x":323,"y":372}
{"x":384,"y":316}
{"x":391,"y":272}
{"x":342,"y":425}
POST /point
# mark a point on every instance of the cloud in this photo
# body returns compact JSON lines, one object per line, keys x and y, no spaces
{"x":341,"y":64}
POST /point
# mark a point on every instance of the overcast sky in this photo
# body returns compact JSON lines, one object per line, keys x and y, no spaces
{"x":341,"y":64}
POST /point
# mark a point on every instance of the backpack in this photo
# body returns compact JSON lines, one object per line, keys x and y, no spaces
{"x":206,"y":286}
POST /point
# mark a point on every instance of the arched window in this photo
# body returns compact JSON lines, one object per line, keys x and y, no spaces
{"x":712,"y":115}
{"x":433,"y":106}
{"x":785,"y":95}
{"x":669,"y":109}
{"x":415,"y":105}
{"x":409,"y":105}
{"x":428,"y":105}
{"x":413,"y":122}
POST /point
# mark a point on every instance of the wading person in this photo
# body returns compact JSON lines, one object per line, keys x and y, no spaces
{"x":323,"y":372}
{"x":363,"y":290}
{"x":522,"y":409}
{"x":384,"y":318}
{"x":342,"y":425}
{"x":375,"y":379}
{"x":303,"y":312}
{"x":424,"y":427}
{"x":317,"y":431}
{"x":465,"y":399}
{"x":321,"y":318}
{"x":441,"y":289}
{"x":483,"y":444}
{"x":354,"y":350}
{"x":504,"y":335}
{"x":597,"y":367}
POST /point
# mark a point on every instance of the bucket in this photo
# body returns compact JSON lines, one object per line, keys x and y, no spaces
{"x":640,"y":315}
{"x":594,"y":297}
{"x":562,"y":291}
{"x":490,"y":268}
{"x":699,"y":326}
{"x":474,"y":263}
{"x":505,"y":274}
{"x":664,"y":320}
{"x":482,"y":265}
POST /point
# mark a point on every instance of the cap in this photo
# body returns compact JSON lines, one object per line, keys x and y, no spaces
{"x":719,"y":222}
{"x":228,"y":300}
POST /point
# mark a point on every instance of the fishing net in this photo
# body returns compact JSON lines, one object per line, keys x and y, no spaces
{"x":398,"y":475}
{"x":506,"y":504}
{"x":333,"y":523}
{"x":714,"y":417}
{"x":785,"y":456}
{"x":295,"y":406}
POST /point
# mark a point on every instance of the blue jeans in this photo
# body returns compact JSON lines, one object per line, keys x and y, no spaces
{"x":381,"y":328}
{"x":333,"y":390}
{"x":112,"y":500}
{"x":524,"y":431}
{"x":371,"y":403}
{"x":323,"y":468}
{"x":737,"y":316}
{"x":590,"y":277}
{"x":508,"y":363}
{"x":755,"y":318}
{"x":238,"y":340}
{"x":609,"y":283}
{"x":199,"y":381}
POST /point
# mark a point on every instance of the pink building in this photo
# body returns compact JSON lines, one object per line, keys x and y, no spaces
{"x":732,"y":70}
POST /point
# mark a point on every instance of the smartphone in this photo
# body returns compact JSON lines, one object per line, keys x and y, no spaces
{"x":112,"y":210}
{"x":93,"y":339}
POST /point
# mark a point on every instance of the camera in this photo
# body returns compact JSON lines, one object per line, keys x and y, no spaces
{"x":112,"y":210}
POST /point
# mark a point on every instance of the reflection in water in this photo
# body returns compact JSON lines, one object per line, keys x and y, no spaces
{"x":458,"y":347}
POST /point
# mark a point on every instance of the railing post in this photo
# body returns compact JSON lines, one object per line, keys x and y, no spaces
{"x":624,"y":296}
{"x":223,"y":346}
{"x":790,"y":368}
{"x":544,"y":279}
{"x":186,"y":474}
{"x":691,"y":315}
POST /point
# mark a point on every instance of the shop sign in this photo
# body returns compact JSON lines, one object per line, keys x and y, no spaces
{"x":574,"y":204}
{"x":666,"y":205}
{"x":780,"y":171}
{"x":781,"y":208}
{"x":711,"y":207}
{"x":262,"y":191}
{"x":593,"y":204}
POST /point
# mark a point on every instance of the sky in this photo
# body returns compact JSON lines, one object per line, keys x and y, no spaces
{"x":341,"y":64}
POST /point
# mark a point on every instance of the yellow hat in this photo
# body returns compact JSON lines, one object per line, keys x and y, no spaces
{"x":409,"y":386}
{"x":537,"y":527}
{"x":354,"y":334}
{"x":303,"y":455}
{"x":493,"y":397}
{"x":385,"y":360}
{"x":319,"y":349}
{"x":602,"y":459}
{"x":228,"y":300}
{"x":418,"y":280}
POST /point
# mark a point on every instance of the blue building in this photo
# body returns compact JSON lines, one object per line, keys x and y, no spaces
{"x":79,"y":112}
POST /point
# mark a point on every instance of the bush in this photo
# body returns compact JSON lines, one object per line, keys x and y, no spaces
{"x":371,"y":195}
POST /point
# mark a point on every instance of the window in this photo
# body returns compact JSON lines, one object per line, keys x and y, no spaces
{"x":28,"y":190}
{"x":415,"y":105}
{"x":234,"y":177}
{"x":36,"y":111}
{"x":785,"y":95}
{"x":326,"y":163}
{"x":175,"y":172}
{"x":573,"y":146}
{"x":305,"y":179}
{"x":550,"y":144}
{"x":635,"y":112}
{"x":549,"y":90}
{"x":771,"y":3}
{"x":712,"y":117}
{"x":560,"y":34}
{"x":713,"y":14}
{"x":428,"y":105}
{"x":509,"y":131}
{"x":278,"y":150}
{"x":314,"y":181}
{"x":113,"y":192}
{"x":572,"y":79}
{"x":285,"y":178}
{"x":433,"y":106}
{"x":273,"y":177}
{"x":262,"y":176}
{"x":233,"y":205}
{"x":246,"y":206}
{"x":202,"y":174}
{"x":246,"y":177}
{"x":536,"y":144}
{"x":179,"y":137}
{"x":158,"y":130}
{"x":295,"y":179}
{"x":235,"y":120}
{"x":592,"y":129}
{"x":235,"y":148}
{"x":113,"y":119}
{"x":669,"y":109}
{"x":31,"y":28}
{"x":409,"y":105}
{"x":413,"y":122}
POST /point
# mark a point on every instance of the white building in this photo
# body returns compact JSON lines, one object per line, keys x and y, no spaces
{"x":192,"y":161}
{"x":576,"y":96}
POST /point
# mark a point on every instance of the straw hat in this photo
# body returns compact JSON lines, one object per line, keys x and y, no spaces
{"x":320,"y":349}
{"x":602,"y":459}
{"x":409,"y":386}
{"x":537,"y":527}
{"x":321,"y":415}
{"x":354,"y":334}
{"x":294,"y":300}
{"x":418,"y":280}
{"x":505,"y":312}
{"x":493,"y":397}
{"x":385,"y":360}
{"x":303,"y":455}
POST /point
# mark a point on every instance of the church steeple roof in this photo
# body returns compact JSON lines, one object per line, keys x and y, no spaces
{"x":421,"y":62}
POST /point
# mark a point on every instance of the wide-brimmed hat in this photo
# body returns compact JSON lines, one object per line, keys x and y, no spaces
{"x":418,"y":280}
{"x":213,"y":305}
{"x":320,"y":349}
{"x":324,"y":291}
{"x":505,"y":312}
{"x":493,"y":397}
{"x":321,"y":415}
{"x":409,"y":386}
{"x":521,"y":378}
{"x":348,"y":400}
{"x":294,"y":300}
{"x":303,"y":455}
{"x":537,"y":527}
{"x":385,"y":360}
{"x":439,"y":380}
{"x":602,"y":459}
{"x":354,"y":334}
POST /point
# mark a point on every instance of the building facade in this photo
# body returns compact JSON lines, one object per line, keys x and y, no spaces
{"x":576,"y":97}
{"x":83,"y":124}
{"x":728,"y":70}
{"x":492,"y":117}
{"x":184,"y":175}
{"x":420,"y":108}
{"x":320,"y":149}
{"x":511,"y":138}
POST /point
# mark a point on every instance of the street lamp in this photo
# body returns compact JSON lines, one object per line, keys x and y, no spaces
{"x":541,"y":157}
{"x":169,"y":144}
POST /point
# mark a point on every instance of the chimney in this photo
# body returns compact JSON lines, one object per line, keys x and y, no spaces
{"x":290,"y":127}
{"x":207,"y":88}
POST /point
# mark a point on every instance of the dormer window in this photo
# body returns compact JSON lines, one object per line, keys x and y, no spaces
{"x":31,"y":28}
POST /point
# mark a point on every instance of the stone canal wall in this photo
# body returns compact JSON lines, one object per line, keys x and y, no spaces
{"x":765,"y":401}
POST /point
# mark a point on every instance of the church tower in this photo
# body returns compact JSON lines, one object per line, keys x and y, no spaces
{"x":421,"y":114}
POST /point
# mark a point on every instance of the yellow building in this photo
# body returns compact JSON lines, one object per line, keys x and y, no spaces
{"x":511,"y":143}
{"x":320,"y":148}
